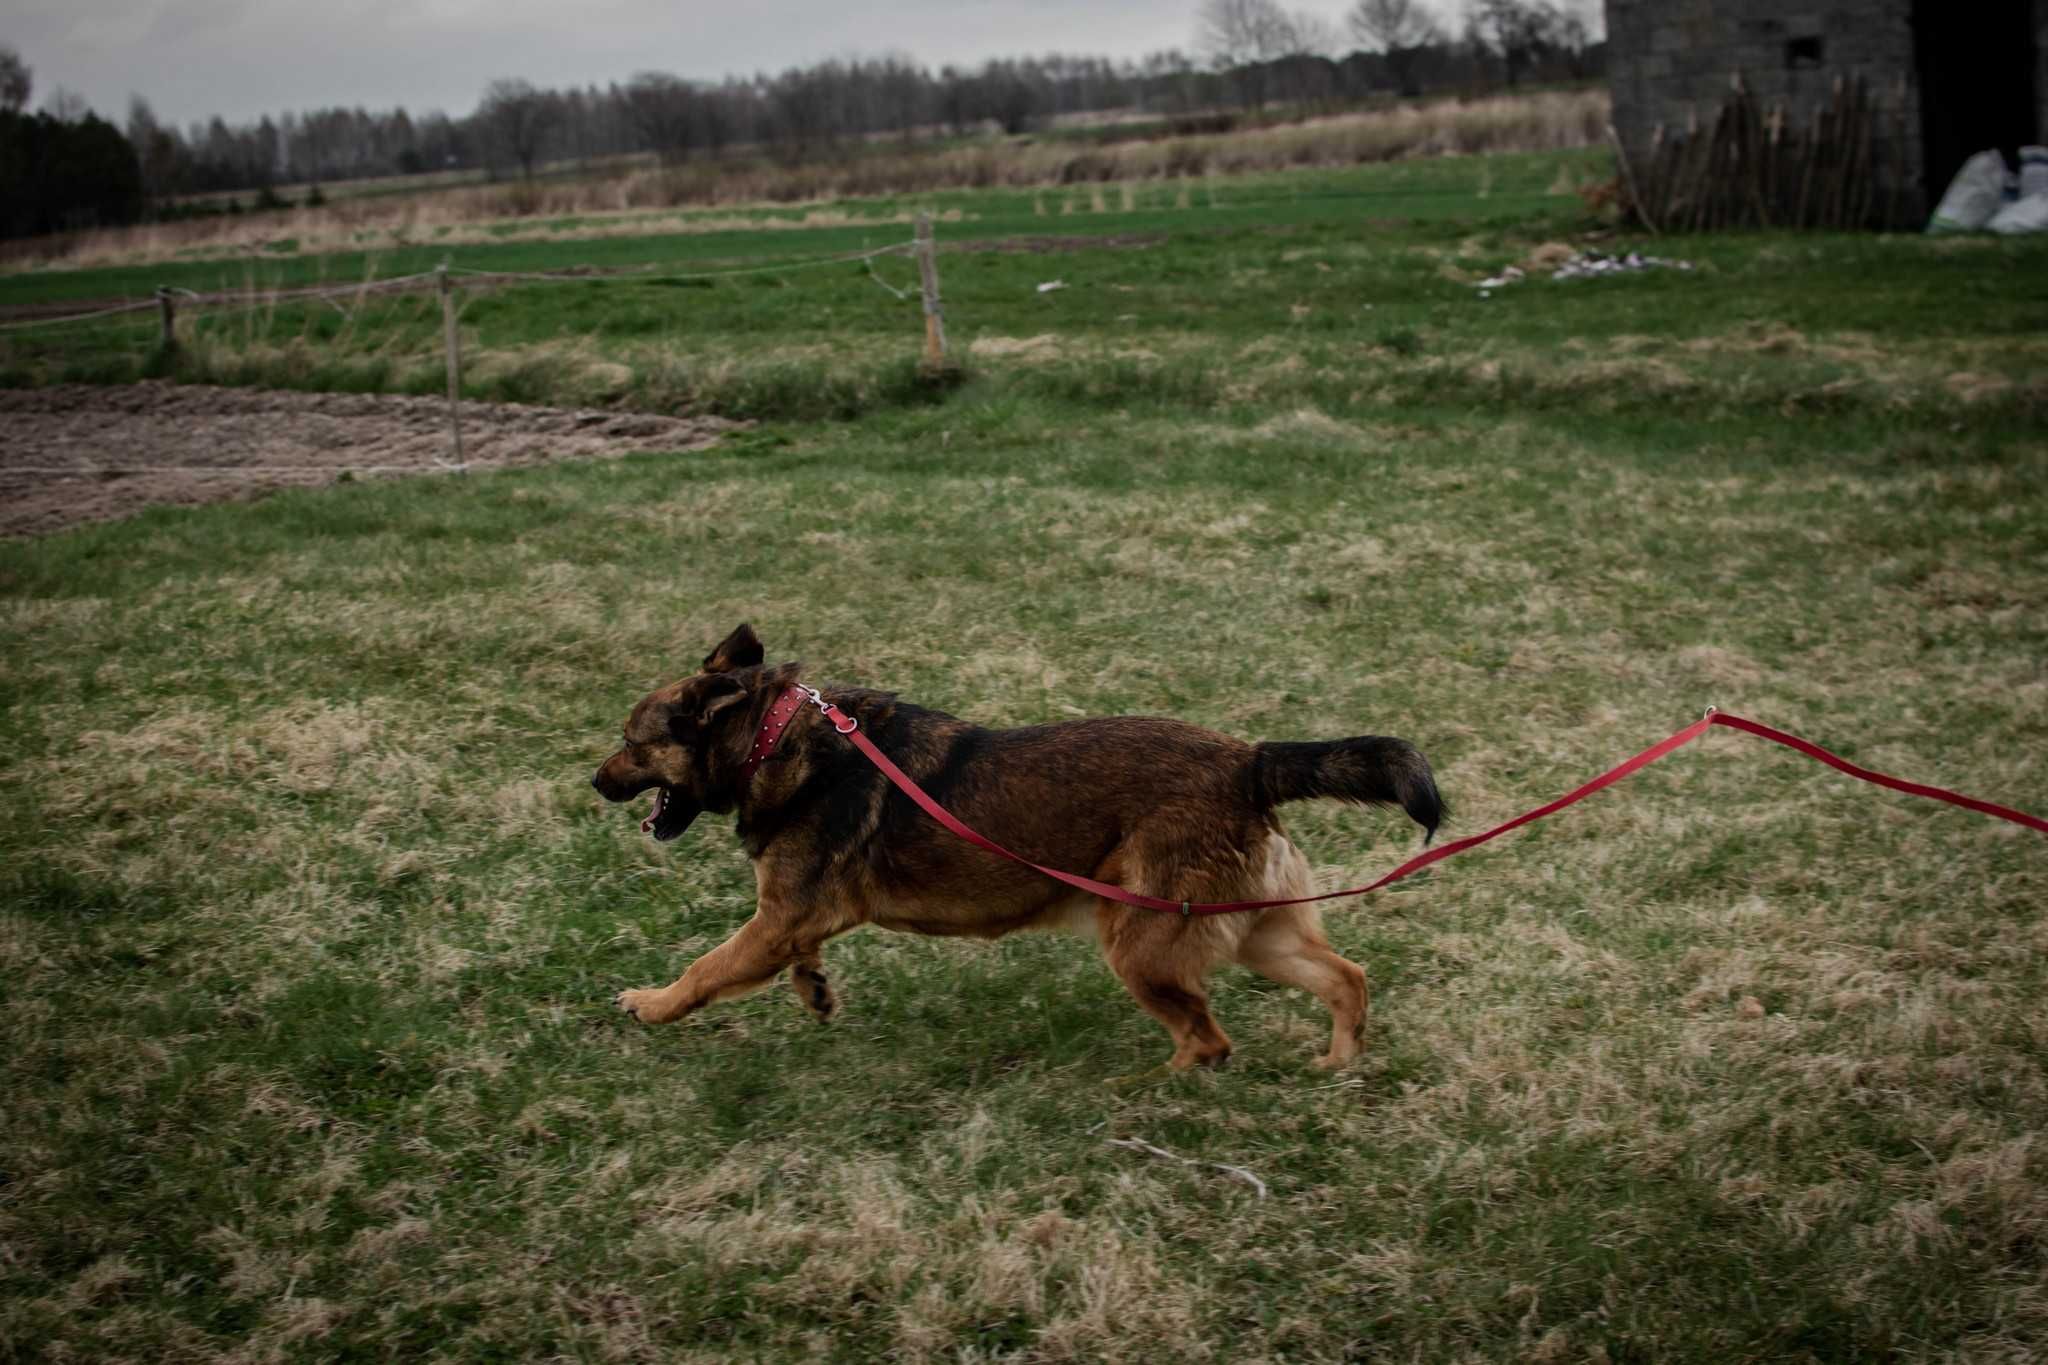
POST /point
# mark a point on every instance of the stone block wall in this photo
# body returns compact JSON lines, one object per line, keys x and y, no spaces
{"x":1669,"y":60}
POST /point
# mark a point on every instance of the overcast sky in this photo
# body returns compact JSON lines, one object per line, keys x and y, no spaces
{"x":245,"y":58}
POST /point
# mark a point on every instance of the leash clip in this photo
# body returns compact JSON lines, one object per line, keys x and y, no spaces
{"x":841,"y":722}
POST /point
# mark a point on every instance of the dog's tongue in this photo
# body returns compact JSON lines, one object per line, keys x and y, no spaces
{"x":660,"y":800}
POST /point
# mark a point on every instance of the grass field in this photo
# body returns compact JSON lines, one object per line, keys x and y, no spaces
{"x":634,"y":197}
{"x":309,"y":919}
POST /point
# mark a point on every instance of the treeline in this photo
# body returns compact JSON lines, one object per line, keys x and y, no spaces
{"x":60,"y":175}
{"x":322,"y":146}
{"x":1253,"y":56}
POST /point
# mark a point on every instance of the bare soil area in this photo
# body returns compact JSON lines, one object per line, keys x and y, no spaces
{"x":77,"y":453}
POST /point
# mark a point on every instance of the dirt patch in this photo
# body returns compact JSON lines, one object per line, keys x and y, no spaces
{"x":1975,"y":388}
{"x":1044,"y":346}
{"x":76,"y":453}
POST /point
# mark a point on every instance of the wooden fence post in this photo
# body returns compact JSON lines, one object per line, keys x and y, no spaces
{"x":928,"y":278}
{"x":167,"y":309}
{"x":453,"y":346}
{"x":1628,"y":182}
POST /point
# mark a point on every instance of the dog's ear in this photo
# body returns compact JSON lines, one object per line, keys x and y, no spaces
{"x":701,"y":705}
{"x":741,"y":649}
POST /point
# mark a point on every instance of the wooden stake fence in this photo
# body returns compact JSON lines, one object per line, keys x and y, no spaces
{"x":928,"y":280}
{"x":1754,"y":168}
{"x":453,"y":345}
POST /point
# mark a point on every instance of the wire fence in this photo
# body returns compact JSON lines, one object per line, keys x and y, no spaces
{"x":167,"y":302}
{"x":228,"y":305}
{"x":115,"y":311}
{"x":636,"y":277}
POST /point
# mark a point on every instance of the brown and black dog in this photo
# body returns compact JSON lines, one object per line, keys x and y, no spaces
{"x":1155,"y":806}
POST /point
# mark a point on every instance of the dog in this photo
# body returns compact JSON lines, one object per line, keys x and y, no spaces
{"x":1154,"y":806}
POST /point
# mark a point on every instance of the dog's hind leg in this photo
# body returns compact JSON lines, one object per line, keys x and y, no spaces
{"x":1163,"y":963}
{"x":1287,"y":945}
{"x":1197,"y":1038}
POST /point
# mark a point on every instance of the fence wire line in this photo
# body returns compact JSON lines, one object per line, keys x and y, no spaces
{"x":76,"y":317}
{"x":876,"y":276}
{"x":329,"y":293}
{"x":849,"y":258}
{"x":317,"y":293}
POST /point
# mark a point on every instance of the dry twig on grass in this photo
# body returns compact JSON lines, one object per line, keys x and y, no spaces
{"x":1234,"y":1172}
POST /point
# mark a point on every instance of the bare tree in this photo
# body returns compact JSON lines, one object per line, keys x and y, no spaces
{"x":1400,"y":29}
{"x":1574,"y":41}
{"x":15,"y":81}
{"x":664,"y":113}
{"x":808,"y":112}
{"x":1300,"y":69}
{"x":1170,"y":78}
{"x":1008,"y":92}
{"x":1241,"y":36}
{"x":519,"y":118}
{"x":1304,"y":33}
{"x":66,"y":106}
{"x":156,"y":149}
{"x":1518,"y":30}
{"x":323,"y":134}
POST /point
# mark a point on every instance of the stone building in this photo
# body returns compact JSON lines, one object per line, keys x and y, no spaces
{"x":1954,"y":76}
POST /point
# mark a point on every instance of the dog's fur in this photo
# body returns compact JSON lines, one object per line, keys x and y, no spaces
{"x":1155,"y":806}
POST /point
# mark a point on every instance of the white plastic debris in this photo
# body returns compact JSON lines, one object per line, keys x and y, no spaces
{"x":2022,"y":215}
{"x":1051,"y":285}
{"x":2029,"y":212}
{"x":2033,"y":171}
{"x":1581,"y":266}
{"x":1974,"y":196}
{"x":1594,"y":263}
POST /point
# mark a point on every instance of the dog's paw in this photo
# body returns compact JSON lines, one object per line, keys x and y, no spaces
{"x":647,"y":1006}
{"x":813,"y":990}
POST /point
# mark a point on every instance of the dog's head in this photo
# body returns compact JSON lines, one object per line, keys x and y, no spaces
{"x":687,"y":739}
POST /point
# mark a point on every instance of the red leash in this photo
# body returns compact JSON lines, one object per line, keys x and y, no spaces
{"x":847,"y":726}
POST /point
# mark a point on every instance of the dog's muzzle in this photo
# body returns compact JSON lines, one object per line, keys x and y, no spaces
{"x":672,"y":812}
{"x":671,"y":815}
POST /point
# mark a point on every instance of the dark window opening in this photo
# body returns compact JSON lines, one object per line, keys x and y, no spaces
{"x":1804,"y":53}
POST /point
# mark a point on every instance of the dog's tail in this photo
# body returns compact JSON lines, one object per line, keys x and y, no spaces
{"x":1367,"y":768}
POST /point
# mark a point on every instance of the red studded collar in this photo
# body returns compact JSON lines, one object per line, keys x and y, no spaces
{"x":770,"y":734}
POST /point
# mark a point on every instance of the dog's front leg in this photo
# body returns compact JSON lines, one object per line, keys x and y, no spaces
{"x":748,"y":960}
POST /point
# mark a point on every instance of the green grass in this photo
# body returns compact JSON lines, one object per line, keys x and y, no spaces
{"x":1452,"y":190}
{"x":309,"y":919}
{"x":1295,"y":290}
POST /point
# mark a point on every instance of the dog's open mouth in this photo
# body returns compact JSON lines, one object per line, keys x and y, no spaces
{"x":669,"y":817}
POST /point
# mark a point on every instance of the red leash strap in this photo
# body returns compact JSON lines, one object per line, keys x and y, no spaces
{"x":1897,"y":784}
{"x":848,"y":727}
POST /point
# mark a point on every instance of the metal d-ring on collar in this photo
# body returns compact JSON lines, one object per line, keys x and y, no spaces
{"x":781,"y":714}
{"x":841,"y":722}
